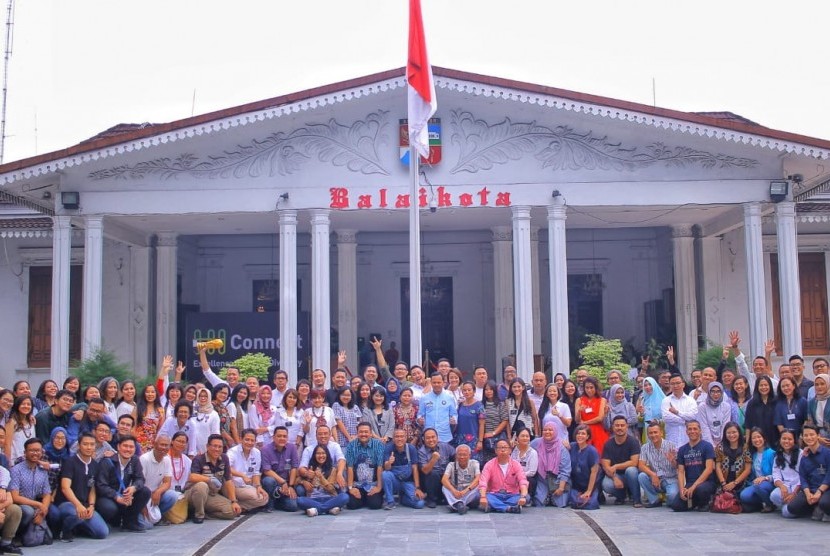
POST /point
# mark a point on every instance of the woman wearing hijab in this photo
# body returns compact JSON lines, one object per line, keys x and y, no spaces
{"x":261,"y":414}
{"x":618,"y":405}
{"x":203,"y":423}
{"x":393,"y":391}
{"x":648,"y":404}
{"x":54,"y":454}
{"x":553,"y":469}
{"x":714,"y":414}
{"x":819,"y":409}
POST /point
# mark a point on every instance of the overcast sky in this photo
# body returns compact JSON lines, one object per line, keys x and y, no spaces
{"x":81,"y":66}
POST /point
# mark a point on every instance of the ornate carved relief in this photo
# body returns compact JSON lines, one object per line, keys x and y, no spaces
{"x":354,"y":147}
{"x":484,"y":145}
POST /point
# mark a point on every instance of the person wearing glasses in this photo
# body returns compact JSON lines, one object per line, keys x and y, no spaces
{"x":502,"y":484}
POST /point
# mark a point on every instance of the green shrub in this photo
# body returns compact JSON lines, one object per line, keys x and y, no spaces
{"x":600,"y":355}
{"x":711,"y":358}
{"x":101,"y":364}
{"x":250,"y":364}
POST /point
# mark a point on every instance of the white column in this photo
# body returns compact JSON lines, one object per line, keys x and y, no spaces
{"x":320,"y":292}
{"x":288,"y":293}
{"x":61,"y":251}
{"x":93,"y":285}
{"x":347,"y":292}
{"x":558,"y":263}
{"x":685,"y":302}
{"x":789,"y":284}
{"x":139,"y":305}
{"x":522,"y":291}
{"x":503,"y":293}
{"x":166,"y":273}
{"x":755,"y":280}
{"x":537,"y":309}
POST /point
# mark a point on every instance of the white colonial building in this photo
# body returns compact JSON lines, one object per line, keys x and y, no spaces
{"x":555,"y":213}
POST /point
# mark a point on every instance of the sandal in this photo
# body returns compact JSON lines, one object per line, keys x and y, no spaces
{"x":638,"y":505}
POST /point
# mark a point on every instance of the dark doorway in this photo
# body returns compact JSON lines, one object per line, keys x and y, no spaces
{"x":584,"y":309}
{"x":436,"y":318}
{"x":39,"y":351}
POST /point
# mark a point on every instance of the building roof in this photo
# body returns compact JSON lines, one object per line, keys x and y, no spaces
{"x":123,"y":133}
{"x":43,"y":223}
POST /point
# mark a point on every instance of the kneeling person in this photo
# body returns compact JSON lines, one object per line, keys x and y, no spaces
{"x":460,"y":481}
{"x":120,"y":487}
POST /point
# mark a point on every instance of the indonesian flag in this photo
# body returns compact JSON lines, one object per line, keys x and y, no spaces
{"x":421,"y":102}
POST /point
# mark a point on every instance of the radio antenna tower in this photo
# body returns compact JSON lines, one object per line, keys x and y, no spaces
{"x":7,"y":54}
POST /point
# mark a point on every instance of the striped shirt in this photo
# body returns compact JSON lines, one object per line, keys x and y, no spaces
{"x":658,"y":460}
{"x":494,"y":414}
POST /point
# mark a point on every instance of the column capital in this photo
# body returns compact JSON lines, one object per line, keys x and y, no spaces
{"x":752,"y":209}
{"x":521,"y":212}
{"x":502,"y":233}
{"x":319,"y":216}
{"x":785,"y":209}
{"x":287,"y":216}
{"x":61,"y":222}
{"x":558,"y":210}
{"x":94,"y":222}
{"x":346,"y":236}
{"x":167,"y":239}
{"x":682,"y":230}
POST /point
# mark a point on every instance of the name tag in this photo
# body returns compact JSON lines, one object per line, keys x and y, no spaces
{"x":250,"y":470}
{"x":514,"y":411}
{"x":791,"y":416}
{"x":288,"y":423}
{"x":715,"y":423}
{"x":589,"y":410}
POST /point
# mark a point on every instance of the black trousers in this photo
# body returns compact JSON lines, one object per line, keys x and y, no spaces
{"x":117,"y":514}
{"x":801,"y":508}
{"x":431,"y":485}
{"x":373,"y":502}
{"x":701,"y":497}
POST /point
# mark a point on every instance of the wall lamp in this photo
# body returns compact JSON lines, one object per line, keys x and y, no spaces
{"x":71,"y":200}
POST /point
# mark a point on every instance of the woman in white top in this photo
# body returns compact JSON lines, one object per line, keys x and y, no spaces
{"x":556,"y":411}
{"x":454,"y":380}
{"x":290,"y":416}
{"x":203,"y":423}
{"x":20,"y":427}
{"x":108,"y":389}
{"x":261,"y":415}
{"x":527,"y":458}
{"x":246,"y":461}
{"x":785,"y":475}
{"x":126,"y":405}
{"x":318,"y":414}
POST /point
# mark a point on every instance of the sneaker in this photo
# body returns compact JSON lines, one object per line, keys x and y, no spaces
{"x":388,"y":505}
{"x":334,"y":511}
{"x":818,"y":515}
{"x":311,"y":512}
{"x":10,"y":549}
{"x":514,"y":510}
{"x":462,"y":509}
{"x":430,"y":503}
{"x":67,"y":536}
{"x":655,"y":504}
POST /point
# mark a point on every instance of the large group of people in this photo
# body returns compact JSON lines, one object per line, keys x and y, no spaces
{"x":82,"y":459}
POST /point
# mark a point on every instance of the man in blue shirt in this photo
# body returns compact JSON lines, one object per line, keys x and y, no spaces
{"x":437,"y":409}
{"x":695,"y":468}
{"x":814,"y":472}
{"x":29,"y":487}
{"x":364,"y":468}
{"x":400,"y":473}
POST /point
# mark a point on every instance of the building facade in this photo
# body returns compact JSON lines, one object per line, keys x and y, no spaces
{"x":545,"y":214}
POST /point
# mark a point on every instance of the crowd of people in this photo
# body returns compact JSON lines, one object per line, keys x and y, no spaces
{"x":82,"y":459}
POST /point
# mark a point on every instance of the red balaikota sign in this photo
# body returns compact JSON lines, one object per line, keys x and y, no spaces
{"x":341,"y":199}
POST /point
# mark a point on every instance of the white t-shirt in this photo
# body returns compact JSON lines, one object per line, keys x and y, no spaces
{"x":155,"y":471}
{"x":180,"y":471}
{"x":293,"y":423}
{"x":335,"y":451}
{"x":250,"y":466}
{"x":202,"y":425}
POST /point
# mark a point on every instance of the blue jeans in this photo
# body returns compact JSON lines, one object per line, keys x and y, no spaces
{"x":499,"y":502}
{"x":28,"y":514}
{"x":578,"y":503}
{"x":168,"y":500}
{"x":668,"y":486}
{"x":406,"y":489}
{"x":754,"y":496}
{"x":630,"y":481}
{"x":95,"y":526}
{"x":323,"y":504}
{"x":284,"y":503}
{"x":543,"y":492}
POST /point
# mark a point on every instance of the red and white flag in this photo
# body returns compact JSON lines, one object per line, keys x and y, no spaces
{"x":421,"y":102}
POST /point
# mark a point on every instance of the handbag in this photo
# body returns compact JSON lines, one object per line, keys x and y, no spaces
{"x":37,"y":534}
{"x":726,"y":502}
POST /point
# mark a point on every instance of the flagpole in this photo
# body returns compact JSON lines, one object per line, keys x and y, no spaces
{"x":414,"y":260}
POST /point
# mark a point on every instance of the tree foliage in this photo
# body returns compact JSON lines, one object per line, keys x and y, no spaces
{"x":250,"y":364}
{"x":101,"y":364}
{"x":600,"y":355}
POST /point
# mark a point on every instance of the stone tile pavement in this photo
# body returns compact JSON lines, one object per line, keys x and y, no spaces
{"x":428,"y":532}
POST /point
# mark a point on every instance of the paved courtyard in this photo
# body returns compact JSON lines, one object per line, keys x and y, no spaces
{"x":428,"y":532}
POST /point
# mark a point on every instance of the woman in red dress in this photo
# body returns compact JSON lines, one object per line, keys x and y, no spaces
{"x":591,"y":409}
